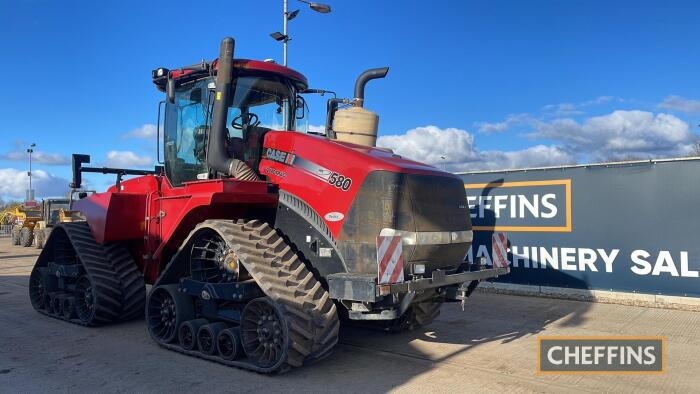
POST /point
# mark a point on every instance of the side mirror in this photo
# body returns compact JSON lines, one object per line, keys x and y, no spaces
{"x":300,"y":107}
{"x":170,"y":91}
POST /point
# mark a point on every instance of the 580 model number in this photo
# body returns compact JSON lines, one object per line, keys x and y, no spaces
{"x":340,"y":181}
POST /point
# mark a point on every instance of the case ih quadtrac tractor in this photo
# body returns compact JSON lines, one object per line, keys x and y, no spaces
{"x":258,"y":242}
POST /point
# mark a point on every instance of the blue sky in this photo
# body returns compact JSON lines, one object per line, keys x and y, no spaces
{"x":492,"y":84}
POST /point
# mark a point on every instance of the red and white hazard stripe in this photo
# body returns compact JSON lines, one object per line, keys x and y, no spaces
{"x":389,"y":259}
{"x":499,"y":247}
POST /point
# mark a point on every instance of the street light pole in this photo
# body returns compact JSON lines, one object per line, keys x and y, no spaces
{"x":286,"y":37}
{"x":30,"y":194}
{"x":287,"y":16}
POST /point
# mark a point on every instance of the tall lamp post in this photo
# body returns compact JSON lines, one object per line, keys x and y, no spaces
{"x":30,"y":192}
{"x":288,"y":16}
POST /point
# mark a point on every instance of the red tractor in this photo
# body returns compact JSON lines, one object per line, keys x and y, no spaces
{"x":258,"y":242}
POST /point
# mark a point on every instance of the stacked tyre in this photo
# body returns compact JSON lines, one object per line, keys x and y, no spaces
{"x":15,"y":235}
{"x":26,"y":237}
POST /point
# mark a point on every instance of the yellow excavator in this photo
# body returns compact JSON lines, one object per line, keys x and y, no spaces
{"x":8,"y":216}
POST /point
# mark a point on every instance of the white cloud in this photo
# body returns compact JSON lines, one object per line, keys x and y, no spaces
{"x":599,"y":100}
{"x":681,"y":104}
{"x":568,"y":109}
{"x":127,"y":159}
{"x":547,"y":112}
{"x":499,"y":127}
{"x":317,"y":128}
{"x":37,"y":157}
{"x":146,"y":131}
{"x":455,"y":150}
{"x":14,"y":184}
{"x":621,"y":135}
{"x":563,"y":109}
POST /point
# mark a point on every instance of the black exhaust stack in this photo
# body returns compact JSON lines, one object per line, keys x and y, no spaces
{"x":217,"y":157}
{"x":372,"y":73}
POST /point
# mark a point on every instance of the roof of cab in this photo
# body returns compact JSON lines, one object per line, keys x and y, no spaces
{"x":196,"y":71}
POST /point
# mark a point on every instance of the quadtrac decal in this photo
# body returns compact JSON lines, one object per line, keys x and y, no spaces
{"x":331,"y":177}
{"x":275,"y":172}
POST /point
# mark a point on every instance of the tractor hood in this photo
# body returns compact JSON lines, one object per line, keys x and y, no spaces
{"x":362,"y":192}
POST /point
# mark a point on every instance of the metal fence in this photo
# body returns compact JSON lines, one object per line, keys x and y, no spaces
{"x":5,"y":230}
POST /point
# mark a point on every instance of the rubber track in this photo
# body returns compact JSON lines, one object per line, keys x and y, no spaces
{"x":283,"y":277}
{"x":313,"y":321}
{"x":132,"y":285}
{"x":99,"y":269}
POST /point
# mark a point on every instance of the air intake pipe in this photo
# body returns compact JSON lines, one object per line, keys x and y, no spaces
{"x":357,"y":125}
{"x":361,"y":81}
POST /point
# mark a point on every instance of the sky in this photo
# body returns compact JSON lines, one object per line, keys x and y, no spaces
{"x":472,"y":85}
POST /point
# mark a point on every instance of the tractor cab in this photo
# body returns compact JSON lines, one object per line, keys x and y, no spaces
{"x":263,"y":96}
{"x":51,"y":210}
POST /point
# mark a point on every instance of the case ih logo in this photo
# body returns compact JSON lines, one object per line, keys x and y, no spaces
{"x":279,"y":156}
{"x":520,"y":206}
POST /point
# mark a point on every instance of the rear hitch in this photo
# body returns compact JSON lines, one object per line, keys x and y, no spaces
{"x":460,"y":293}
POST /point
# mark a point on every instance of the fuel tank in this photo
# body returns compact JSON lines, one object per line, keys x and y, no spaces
{"x":357,"y":193}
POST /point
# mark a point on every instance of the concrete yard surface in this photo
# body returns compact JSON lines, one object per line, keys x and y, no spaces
{"x":491,"y":347}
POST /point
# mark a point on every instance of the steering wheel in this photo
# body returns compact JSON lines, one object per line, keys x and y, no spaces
{"x":238,"y":122}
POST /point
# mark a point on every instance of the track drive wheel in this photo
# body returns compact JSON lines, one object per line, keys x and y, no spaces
{"x":166,"y":310}
{"x":26,"y":236}
{"x":264,"y":332}
{"x":85,"y":300}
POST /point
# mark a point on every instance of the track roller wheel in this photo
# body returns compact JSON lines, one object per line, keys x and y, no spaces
{"x":207,"y":335}
{"x":264,"y":332}
{"x":68,"y":307}
{"x":166,"y":309}
{"x":37,"y":292}
{"x":57,"y":304}
{"x":187,"y":333}
{"x":228,"y":344}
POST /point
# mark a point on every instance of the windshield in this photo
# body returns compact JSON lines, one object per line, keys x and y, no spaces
{"x":258,"y":104}
{"x":58,"y":206}
{"x":33,"y":214}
